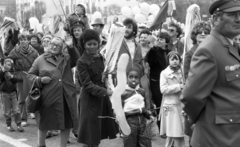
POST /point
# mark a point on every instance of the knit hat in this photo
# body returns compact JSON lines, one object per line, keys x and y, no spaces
{"x":8,"y":60}
{"x":89,"y":34}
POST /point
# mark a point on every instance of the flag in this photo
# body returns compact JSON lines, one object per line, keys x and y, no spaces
{"x":172,"y":11}
{"x":161,"y":17}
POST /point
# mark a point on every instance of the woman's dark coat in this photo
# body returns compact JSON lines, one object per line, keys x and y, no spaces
{"x":93,"y":102}
{"x":60,"y":87}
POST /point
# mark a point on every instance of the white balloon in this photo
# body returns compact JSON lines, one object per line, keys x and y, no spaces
{"x":154,"y":8}
{"x":150,"y":18}
{"x":145,"y":7}
{"x":33,"y":22}
{"x":39,"y":28}
{"x":136,"y":10}
{"x":126,"y":11}
{"x":140,"y":18}
{"x":97,"y":14}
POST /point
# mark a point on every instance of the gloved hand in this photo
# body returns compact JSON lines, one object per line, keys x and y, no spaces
{"x":45,"y":80}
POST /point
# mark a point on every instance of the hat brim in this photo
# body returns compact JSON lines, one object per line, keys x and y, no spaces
{"x":233,"y":9}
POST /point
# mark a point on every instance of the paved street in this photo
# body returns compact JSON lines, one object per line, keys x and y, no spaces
{"x":29,"y":138}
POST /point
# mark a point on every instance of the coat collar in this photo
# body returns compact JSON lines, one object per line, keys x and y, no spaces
{"x":87,"y":58}
{"x":48,"y":57}
{"x":226,"y":43}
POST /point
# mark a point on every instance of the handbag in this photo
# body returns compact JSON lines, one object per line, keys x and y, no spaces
{"x":33,"y":100}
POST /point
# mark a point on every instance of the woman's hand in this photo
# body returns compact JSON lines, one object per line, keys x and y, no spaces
{"x":69,"y":41}
{"x":45,"y":80}
{"x":109,"y":92}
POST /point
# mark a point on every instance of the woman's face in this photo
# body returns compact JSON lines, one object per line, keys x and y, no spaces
{"x":143,"y":39}
{"x":201,"y":35}
{"x":34,"y":41}
{"x":77,"y":32}
{"x":24,"y":42}
{"x":79,"y":10}
{"x":161,"y":42}
{"x":92,"y":47}
{"x":56,"y":46}
{"x":46,"y":44}
{"x":174,"y":61}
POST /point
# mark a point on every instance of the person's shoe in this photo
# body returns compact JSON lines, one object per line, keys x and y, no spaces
{"x":163,"y":136}
{"x":75,"y":136}
{"x":20,"y":129}
{"x":32,"y":116}
{"x":55,"y":133}
{"x":49,"y":134}
{"x":24,"y":124}
{"x":10,"y":129}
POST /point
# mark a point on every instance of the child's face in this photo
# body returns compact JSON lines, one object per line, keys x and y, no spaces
{"x":133,"y":79}
{"x":7,"y":66}
{"x":174,"y":61}
{"x":34,"y":41}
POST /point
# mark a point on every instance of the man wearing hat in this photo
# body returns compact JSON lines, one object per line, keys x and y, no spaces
{"x":80,"y":15}
{"x":98,"y":26}
{"x":211,"y":94}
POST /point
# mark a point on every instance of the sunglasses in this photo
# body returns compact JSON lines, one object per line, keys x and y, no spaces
{"x":205,"y":32}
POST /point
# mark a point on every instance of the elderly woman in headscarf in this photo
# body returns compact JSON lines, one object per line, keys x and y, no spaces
{"x":23,"y":56}
{"x":94,"y":95}
{"x":52,"y":74}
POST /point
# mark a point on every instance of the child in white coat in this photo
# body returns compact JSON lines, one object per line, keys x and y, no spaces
{"x":171,"y":85}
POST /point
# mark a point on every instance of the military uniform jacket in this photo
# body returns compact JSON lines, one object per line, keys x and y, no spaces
{"x":212,"y":93}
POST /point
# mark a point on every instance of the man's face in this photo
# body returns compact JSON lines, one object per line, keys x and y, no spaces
{"x":24,"y":42}
{"x":77,"y":32}
{"x":129,"y":31}
{"x":229,"y":24}
{"x":98,"y":28}
{"x":172,"y":31}
{"x":56,"y":46}
{"x":143,"y":39}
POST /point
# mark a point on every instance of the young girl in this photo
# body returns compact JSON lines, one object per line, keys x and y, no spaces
{"x":134,"y":107}
{"x":171,"y":84}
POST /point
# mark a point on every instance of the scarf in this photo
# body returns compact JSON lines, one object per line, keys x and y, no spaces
{"x":24,"y":50}
{"x":175,"y":69}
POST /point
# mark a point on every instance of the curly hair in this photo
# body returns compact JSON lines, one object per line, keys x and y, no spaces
{"x":129,"y":21}
{"x":179,"y":30}
{"x":164,"y":35}
{"x":145,"y":31}
{"x":199,"y":27}
{"x":87,"y":35}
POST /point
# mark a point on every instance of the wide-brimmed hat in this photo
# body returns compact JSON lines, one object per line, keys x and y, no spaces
{"x":225,"y":6}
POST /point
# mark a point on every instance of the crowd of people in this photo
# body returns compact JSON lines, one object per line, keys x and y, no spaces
{"x":192,"y":92}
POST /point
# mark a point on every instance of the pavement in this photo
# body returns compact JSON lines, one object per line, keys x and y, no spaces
{"x":29,"y":137}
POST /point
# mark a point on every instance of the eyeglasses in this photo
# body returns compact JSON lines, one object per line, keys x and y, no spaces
{"x":171,"y":30}
{"x":205,"y":32}
{"x":55,"y":45}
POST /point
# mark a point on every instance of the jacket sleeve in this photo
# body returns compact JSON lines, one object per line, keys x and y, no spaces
{"x":74,"y":55}
{"x":87,"y":83}
{"x":201,"y":79}
{"x":166,"y":88}
{"x":34,"y":73}
{"x":186,"y":65}
{"x":16,"y":78}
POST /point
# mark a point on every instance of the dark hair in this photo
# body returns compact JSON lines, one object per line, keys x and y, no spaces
{"x":200,"y":26}
{"x":133,"y":69}
{"x":145,"y":31}
{"x":179,"y":30}
{"x":89,"y":34}
{"x":40,"y":33}
{"x":164,"y":35}
{"x":129,"y":21}
{"x":35,"y":36}
{"x":173,"y":54}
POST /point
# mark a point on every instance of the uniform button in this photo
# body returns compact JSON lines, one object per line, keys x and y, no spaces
{"x":231,"y":120}
{"x":236,"y":75}
{"x":60,"y":80}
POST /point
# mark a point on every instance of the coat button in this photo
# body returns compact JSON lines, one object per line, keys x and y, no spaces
{"x":231,"y":120}
{"x":236,"y":75}
{"x":59,"y":80}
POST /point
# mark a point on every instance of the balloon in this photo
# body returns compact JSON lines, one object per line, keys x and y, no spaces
{"x":140,"y":18}
{"x":117,"y":92}
{"x":154,"y":8}
{"x":33,"y":22}
{"x":145,"y":8}
{"x":126,"y":11}
{"x":151,"y":18}
{"x":136,"y":10}
{"x":97,"y":14}
{"x":39,"y":28}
